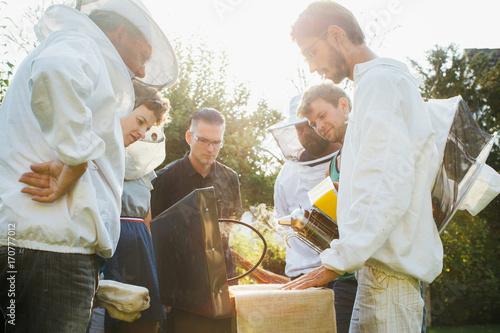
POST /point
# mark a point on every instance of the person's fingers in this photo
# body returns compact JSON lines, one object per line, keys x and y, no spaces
{"x":35,"y":175}
{"x":292,"y":284}
{"x":41,"y":167}
{"x":315,"y":278}
{"x":35,"y":179}
{"x":42,"y":192}
{"x":298,"y":284}
{"x":306,"y":283}
{"x":47,"y":199}
{"x":286,"y":286}
{"x":336,"y":185}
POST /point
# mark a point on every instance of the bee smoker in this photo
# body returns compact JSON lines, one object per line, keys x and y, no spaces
{"x":313,"y":228}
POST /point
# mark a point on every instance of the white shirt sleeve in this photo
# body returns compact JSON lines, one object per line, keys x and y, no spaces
{"x":61,"y":83}
{"x":378,"y":175}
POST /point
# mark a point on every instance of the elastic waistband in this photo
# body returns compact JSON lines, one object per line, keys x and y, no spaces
{"x":387,"y":270}
{"x":131,"y":219}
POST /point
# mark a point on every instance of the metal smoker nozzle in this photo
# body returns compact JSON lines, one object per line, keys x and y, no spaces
{"x":297,"y":219}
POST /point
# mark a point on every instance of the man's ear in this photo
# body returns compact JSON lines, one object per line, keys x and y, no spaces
{"x":343,"y":104}
{"x":118,"y":35}
{"x":189,"y":137}
{"x":335,"y":35}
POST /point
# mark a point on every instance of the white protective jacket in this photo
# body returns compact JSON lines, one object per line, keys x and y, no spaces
{"x":388,"y":166}
{"x":293,"y":183}
{"x":65,"y":102}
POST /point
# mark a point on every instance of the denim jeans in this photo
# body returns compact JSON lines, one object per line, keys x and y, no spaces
{"x":424,"y":320}
{"x":345,"y":294}
{"x":43,"y":291}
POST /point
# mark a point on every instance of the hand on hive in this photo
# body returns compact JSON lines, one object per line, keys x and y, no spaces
{"x":315,"y":278}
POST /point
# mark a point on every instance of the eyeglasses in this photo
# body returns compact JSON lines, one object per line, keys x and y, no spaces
{"x":206,"y":143}
{"x":308,"y":55}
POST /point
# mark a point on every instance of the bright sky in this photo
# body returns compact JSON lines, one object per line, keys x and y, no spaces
{"x":255,"y":33}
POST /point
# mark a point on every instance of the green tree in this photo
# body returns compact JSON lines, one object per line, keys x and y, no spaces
{"x":5,"y":66}
{"x":250,"y":247}
{"x":468,"y":292}
{"x":204,"y":82}
{"x":451,"y":73}
{"x":17,"y":39}
{"x":5,"y":74}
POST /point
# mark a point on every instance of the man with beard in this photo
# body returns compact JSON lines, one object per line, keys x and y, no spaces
{"x":387,"y":232}
{"x":307,"y":156}
{"x":304,"y":170}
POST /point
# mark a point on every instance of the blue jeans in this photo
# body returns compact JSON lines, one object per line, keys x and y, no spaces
{"x":424,"y":320}
{"x":43,"y":291}
{"x":345,"y":294}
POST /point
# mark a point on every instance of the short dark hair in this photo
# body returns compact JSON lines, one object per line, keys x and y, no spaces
{"x":207,"y":115}
{"x":327,"y":91}
{"x":319,"y":15}
{"x":109,"y":21}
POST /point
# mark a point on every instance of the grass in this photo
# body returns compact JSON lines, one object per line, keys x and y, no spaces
{"x":465,"y":329}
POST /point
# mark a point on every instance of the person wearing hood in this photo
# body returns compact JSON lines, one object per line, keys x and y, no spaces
{"x":306,"y":165}
{"x":307,"y":157}
{"x":61,"y":118}
{"x":387,"y":232}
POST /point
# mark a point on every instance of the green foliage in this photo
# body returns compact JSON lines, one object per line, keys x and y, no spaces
{"x":5,"y":66}
{"x":204,"y":82}
{"x":250,"y":245}
{"x":467,"y":292}
{"x":4,"y":79}
{"x":451,"y":73}
{"x":265,"y":223}
{"x":17,"y":40}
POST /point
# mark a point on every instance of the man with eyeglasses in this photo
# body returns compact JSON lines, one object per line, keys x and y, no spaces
{"x":199,"y":169}
{"x":387,"y":232}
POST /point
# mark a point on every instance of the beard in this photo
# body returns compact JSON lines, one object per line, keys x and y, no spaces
{"x":338,"y":67}
{"x":316,"y":147}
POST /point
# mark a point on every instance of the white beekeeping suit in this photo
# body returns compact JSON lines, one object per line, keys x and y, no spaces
{"x":65,"y":103}
{"x":162,"y":67}
{"x":294,"y":181}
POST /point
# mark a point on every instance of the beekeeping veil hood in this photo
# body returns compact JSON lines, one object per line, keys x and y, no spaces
{"x":161,"y":68}
{"x":286,"y":136}
{"x":463,"y":180}
{"x":144,"y":155}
